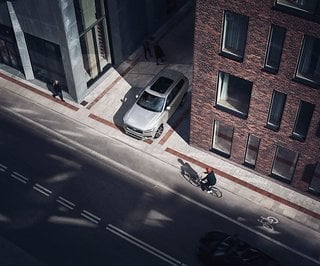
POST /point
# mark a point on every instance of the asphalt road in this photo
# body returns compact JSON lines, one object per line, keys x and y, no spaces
{"x":64,"y":206}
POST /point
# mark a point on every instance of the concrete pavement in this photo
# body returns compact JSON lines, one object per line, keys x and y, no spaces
{"x":105,"y":106}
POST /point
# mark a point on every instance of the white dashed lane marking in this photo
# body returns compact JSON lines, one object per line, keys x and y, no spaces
{"x":42,"y":190}
{"x":3,"y":168}
{"x":20,"y":177}
{"x":91,"y":217}
{"x":66,"y":203}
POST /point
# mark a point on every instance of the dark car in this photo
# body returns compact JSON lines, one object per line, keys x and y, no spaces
{"x":218,"y":248}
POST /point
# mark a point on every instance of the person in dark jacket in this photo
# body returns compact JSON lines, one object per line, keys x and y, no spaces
{"x":57,"y":90}
{"x":147,"y":47}
{"x":209,"y":180}
{"x":158,"y":52}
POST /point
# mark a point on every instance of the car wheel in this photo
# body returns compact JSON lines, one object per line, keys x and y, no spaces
{"x":184,"y":99}
{"x":159,"y":132}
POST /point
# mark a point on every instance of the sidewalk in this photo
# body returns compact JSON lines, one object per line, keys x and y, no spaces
{"x":103,"y":110}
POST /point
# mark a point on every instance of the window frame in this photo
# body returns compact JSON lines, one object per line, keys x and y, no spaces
{"x":299,"y":76}
{"x":281,"y":177}
{"x":226,"y":52}
{"x":273,"y":126}
{"x":299,"y":12}
{"x":220,"y":87}
{"x":220,"y":151}
{"x":272,"y":47}
{"x":248,"y":164}
{"x":315,"y":175}
{"x":298,"y":136}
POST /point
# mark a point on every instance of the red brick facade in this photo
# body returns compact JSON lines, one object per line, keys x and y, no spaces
{"x":207,"y":63}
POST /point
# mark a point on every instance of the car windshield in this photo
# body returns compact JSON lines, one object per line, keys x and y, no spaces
{"x":151,"y":102}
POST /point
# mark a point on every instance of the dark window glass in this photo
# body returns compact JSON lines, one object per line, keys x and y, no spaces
{"x":315,"y":181}
{"x":274,"y":50}
{"x":300,"y":5}
{"x":303,"y":120}
{"x":308,"y":69}
{"x":234,"y":35}
{"x":222,"y":138}
{"x":284,"y":163}
{"x":46,"y":60}
{"x":252,"y":151}
{"x":276,"y":110}
{"x":234,"y":94}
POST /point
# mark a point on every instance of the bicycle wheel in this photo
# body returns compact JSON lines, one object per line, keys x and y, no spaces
{"x":193,"y":180}
{"x":216,"y":192}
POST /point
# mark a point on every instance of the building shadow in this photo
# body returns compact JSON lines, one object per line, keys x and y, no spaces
{"x":127,"y":102}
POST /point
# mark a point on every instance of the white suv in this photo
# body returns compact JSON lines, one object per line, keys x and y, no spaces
{"x":156,"y":104}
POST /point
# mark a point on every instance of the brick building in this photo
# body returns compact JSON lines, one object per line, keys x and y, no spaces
{"x":256,"y":86}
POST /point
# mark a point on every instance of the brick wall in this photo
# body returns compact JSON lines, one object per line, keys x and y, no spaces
{"x":207,"y":63}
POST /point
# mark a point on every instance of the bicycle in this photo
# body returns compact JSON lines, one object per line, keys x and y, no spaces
{"x":196,"y":180}
{"x":268,"y":221}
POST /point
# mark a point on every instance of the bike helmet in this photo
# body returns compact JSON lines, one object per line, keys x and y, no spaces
{"x":209,"y":169}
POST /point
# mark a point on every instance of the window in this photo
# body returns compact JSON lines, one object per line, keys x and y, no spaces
{"x":309,"y":9}
{"x":46,"y":60}
{"x":315,"y":181}
{"x":303,"y":120}
{"x":309,"y":6}
{"x":252,"y":151}
{"x":222,"y":139}
{"x":284,"y":163}
{"x":234,"y":35}
{"x":233,"y":94}
{"x":308,"y":69}
{"x":92,"y":27}
{"x":274,"y":50}
{"x":276,"y":110}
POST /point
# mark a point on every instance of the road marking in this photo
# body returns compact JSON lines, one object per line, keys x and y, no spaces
{"x":3,"y":168}
{"x":42,"y":190}
{"x":19,"y":177}
{"x":93,"y":218}
{"x":66,"y":203}
{"x":151,"y":181}
{"x":137,"y":242}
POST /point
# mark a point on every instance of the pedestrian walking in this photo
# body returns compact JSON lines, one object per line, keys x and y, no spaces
{"x":57,"y":90}
{"x":147,"y":47}
{"x":159,"y":54}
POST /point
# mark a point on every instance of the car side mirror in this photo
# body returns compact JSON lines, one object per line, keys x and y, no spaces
{"x":137,"y":96}
{"x":168,"y":108}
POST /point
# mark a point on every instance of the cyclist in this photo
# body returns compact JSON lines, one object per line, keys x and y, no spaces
{"x":209,"y":180}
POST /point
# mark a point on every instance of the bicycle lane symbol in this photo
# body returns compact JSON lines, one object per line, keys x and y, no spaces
{"x":267,"y":222}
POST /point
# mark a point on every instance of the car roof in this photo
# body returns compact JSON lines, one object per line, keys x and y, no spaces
{"x":163,"y":82}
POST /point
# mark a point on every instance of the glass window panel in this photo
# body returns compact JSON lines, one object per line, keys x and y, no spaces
{"x":303,"y":120}
{"x":309,"y":60}
{"x":234,"y":93}
{"x":302,"y":5}
{"x":222,"y":138}
{"x":101,"y":44}
{"x":4,"y":55}
{"x":234,"y":34}
{"x":276,"y":109}
{"x":252,"y":150}
{"x":284,"y":163}
{"x":89,"y":55}
{"x":274,"y":50}
{"x":315,"y":181}
{"x":88,"y":12}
